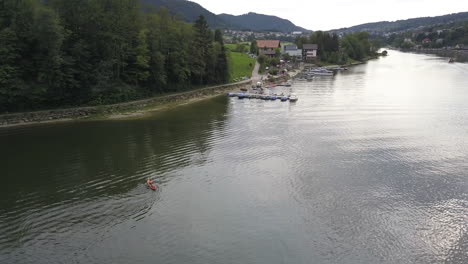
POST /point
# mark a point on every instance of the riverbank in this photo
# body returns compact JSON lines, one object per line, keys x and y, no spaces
{"x":122,"y":110}
{"x":457,"y":55}
{"x":348,"y":64}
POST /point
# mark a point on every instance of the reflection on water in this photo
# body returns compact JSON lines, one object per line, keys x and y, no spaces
{"x":367,"y":167}
{"x":81,"y":179}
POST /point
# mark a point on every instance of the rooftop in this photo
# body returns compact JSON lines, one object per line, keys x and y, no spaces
{"x":310,"y":46}
{"x":273,"y":44}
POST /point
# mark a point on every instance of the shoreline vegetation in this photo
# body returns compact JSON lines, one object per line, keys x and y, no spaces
{"x":54,"y":54}
{"x":52,"y":58}
{"x":136,"y":108}
{"x":132,"y":109}
{"x":456,"y":55}
{"x":142,"y":107}
{"x":446,"y":40}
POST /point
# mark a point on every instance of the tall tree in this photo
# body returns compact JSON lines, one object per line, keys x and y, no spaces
{"x":218,"y":37}
{"x":253,"y":47}
{"x":201,"y":59}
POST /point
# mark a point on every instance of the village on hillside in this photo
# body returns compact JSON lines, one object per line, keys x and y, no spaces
{"x":269,"y":48}
{"x":277,"y":58}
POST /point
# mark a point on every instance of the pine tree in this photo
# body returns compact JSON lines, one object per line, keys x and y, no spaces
{"x":201,"y":53}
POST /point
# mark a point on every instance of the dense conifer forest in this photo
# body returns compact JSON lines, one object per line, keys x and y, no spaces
{"x":61,"y":53}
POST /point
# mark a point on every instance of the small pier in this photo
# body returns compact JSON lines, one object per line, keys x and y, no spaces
{"x":259,"y":93}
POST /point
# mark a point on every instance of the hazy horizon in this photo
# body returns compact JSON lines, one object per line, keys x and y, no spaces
{"x":341,"y":13}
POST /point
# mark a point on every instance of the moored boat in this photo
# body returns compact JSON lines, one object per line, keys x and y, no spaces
{"x":293,"y":98}
{"x":319,"y":72}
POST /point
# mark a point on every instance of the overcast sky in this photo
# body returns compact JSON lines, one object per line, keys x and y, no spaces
{"x":332,"y":14}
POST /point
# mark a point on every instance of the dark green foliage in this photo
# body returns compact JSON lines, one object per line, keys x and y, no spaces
{"x":405,"y":25}
{"x":328,"y":45}
{"x":202,"y":59}
{"x":331,"y":49}
{"x":265,"y":61}
{"x":273,"y":71}
{"x":188,"y":11}
{"x":448,"y":35}
{"x":218,"y":37}
{"x":259,"y":22}
{"x":71,"y":52}
{"x":356,"y":45}
{"x":253,"y":47}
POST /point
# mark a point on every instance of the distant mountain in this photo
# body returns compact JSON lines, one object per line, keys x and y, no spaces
{"x":188,"y":11}
{"x":259,"y":22}
{"x":404,"y":25}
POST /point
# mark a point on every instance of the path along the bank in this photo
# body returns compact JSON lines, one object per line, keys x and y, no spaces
{"x":255,"y":76}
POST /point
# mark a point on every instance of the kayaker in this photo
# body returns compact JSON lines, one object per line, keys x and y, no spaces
{"x":151,"y":185}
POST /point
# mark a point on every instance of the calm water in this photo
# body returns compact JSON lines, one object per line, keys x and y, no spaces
{"x":370,"y":166}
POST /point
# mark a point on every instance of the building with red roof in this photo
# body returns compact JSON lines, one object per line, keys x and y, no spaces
{"x":268,"y":47}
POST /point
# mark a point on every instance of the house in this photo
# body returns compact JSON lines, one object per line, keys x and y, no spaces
{"x":268,"y":47}
{"x":309,"y":52}
{"x":461,"y":47}
{"x":426,"y":40}
{"x":292,"y":51}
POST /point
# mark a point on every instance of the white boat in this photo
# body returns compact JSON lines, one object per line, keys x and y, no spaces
{"x":293,"y":98}
{"x":322,"y":73}
{"x":337,"y":68}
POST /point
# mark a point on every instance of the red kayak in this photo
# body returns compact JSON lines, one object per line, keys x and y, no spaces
{"x":151,"y":186}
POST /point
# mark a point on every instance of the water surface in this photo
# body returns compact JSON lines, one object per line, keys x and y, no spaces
{"x":369,"y":166}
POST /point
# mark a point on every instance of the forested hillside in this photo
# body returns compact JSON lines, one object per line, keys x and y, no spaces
{"x":259,"y":22}
{"x":188,"y":11}
{"x":434,"y":37}
{"x":60,"y":53}
{"x":404,"y":25}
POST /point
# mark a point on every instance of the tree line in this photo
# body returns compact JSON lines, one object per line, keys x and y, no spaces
{"x":332,"y":49}
{"x":60,"y":53}
{"x":433,"y":37}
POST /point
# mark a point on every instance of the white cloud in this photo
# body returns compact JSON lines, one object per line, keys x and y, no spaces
{"x":332,"y":14}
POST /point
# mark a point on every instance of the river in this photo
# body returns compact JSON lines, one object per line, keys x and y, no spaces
{"x":369,"y":166}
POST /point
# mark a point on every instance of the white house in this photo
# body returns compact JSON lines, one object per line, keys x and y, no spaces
{"x":292,"y":50}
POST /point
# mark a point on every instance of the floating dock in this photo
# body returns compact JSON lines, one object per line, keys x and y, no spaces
{"x":274,"y":97}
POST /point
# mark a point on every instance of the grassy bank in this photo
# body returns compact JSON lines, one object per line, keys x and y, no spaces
{"x":240,"y":65}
